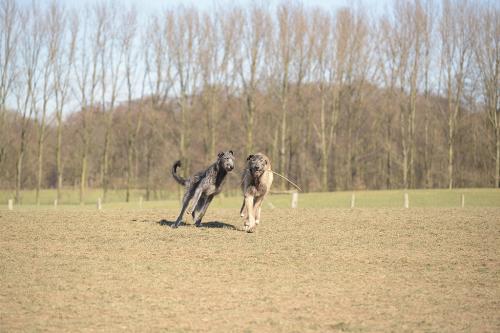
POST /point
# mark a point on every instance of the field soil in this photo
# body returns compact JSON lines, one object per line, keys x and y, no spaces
{"x":324,"y":270}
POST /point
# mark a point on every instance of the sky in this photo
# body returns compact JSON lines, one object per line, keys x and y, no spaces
{"x":148,"y":7}
{"x":151,"y":6}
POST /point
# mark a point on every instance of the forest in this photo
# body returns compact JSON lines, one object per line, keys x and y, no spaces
{"x":107,"y":97}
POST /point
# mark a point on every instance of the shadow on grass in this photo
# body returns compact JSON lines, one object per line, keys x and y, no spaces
{"x":212,"y":224}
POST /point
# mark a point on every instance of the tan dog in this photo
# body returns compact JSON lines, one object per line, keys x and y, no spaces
{"x":256,"y":182}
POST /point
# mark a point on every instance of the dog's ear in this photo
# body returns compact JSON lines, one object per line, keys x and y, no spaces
{"x":231,"y":152}
{"x":220,"y":154}
{"x":249,"y":157}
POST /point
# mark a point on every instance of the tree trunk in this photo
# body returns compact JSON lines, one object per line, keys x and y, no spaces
{"x":213,"y":127}
{"x":274,"y":149}
{"x":105,"y":163}
{"x":348,"y":171}
{"x":497,"y":161}
{"x":83,"y":177}
{"x":333,"y":166}
{"x":307,"y":145}
{"x":324,"y":152}
{"x":389,"y":151}
{"x":304,"y":153}
{"x":40,"y":162}
{"x":284,"y":111}
{"x":41,"y":135}
{"x":427,"y":158}
{"x":450,"y":151}
{"x":58,"y":156}
{"x":249,"y":127}
{"x":411,"y":137}
{"x":19,"y":166}
{"x":149,"y":154}
{"x":282,"y":149}
{"x":129,"y":170}
{"x":404,"y":144}
{"x":83,"y":173}
{"x":210,"y":104}
{"x":183,"y":134}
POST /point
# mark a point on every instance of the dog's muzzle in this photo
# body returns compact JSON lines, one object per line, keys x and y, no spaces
{"x":257,"y":172}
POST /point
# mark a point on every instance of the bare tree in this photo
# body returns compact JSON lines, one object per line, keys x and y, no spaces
{"x":250,"y":62}
{"x":487,"y":56}
{"x":52,"y":29}
{"x":216,"y":53}
{"x":418,"y":29}
{"x":284,"y":52}
{"x":425,"y":114}
{"x":392,"y":59}
{"x":158,"y":63}
{"x":321,"y":29}
{"x":404,"y":46}
{"x":9,"y":34}
{"x":405,"y":37}
{"x":300,"y":70}
{"x":182,"y":37}
{"x":62,"y":69}
{"x":455,"y":43}
{"x":132,"y":57}
{"x":116,"y":44}
{"x":158,"y":78}
{"x":86,"y":71}
{"x":30,"y":46}
{"x":428,"y":52}
{"x":353,"y":53}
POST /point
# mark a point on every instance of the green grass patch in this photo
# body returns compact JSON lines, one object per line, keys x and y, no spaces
{"x":72,"y":197}
{"x":394,"y":199}
{"x":363,"y":199}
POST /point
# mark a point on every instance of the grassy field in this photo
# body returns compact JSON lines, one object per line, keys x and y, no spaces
{"x":304,"y":270}
{"x":363,"y":199}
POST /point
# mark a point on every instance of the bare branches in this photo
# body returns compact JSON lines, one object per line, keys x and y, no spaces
{"x":340,"y":99}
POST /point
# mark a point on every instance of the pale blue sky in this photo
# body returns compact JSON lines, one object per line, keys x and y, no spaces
{"x":149,"y":6}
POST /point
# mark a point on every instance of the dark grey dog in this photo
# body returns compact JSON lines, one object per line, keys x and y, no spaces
{"x":203,"y":186}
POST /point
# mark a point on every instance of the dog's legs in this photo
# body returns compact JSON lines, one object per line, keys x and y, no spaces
{"x":257,"y":216}
{"x":243,"y":209}
{"x":257,"y":205}
{"x":199,"y":206}
{"x":249,"y":203}
{"x":185,"y":203}
{"x":201,"y":212}
{"x":196,"y":198}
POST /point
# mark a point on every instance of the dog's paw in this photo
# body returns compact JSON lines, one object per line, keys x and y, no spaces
{"x":250,"y":229}
{"x":257,"y":221}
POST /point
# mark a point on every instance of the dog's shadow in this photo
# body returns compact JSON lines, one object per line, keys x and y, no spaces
{"x":211,"y":224}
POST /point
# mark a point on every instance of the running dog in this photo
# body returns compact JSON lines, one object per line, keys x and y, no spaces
{"x":256,"y":182}
{"x":203,"y":186}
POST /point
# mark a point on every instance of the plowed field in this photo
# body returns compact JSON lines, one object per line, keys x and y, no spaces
{"x":361,"y":270}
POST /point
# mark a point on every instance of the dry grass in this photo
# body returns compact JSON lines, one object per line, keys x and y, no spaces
{"x":362,"y":270}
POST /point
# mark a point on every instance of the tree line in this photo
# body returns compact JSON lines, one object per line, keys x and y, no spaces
{"x":103,"y":97}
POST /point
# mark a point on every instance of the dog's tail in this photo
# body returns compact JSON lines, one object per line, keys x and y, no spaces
{"x":178,"y":178}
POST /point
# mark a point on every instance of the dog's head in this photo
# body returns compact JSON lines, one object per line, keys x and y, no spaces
{"x":257,"y":164}
{"x":226,"y":160}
